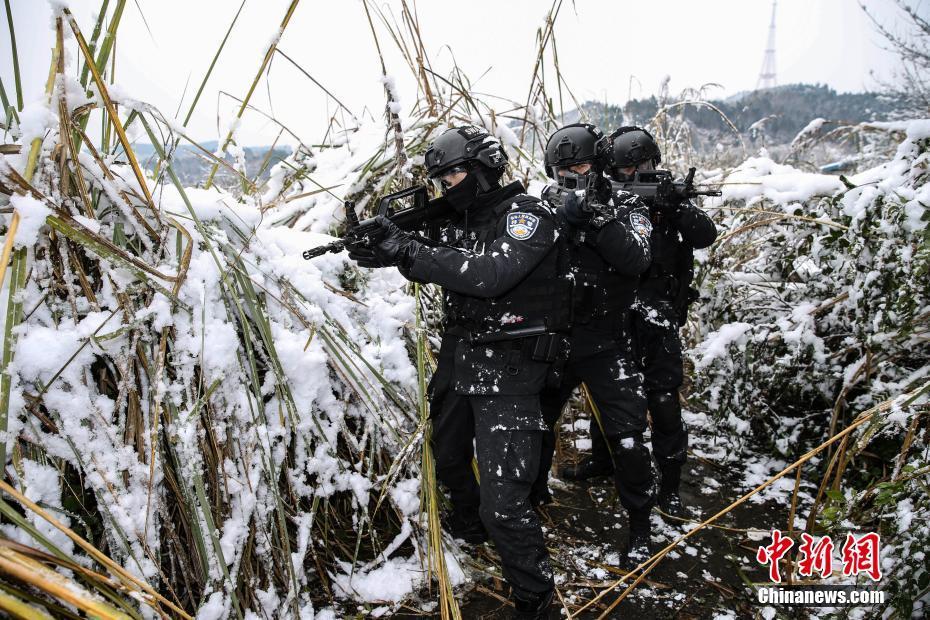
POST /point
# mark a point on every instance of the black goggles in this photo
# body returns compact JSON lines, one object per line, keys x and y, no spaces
{"x":443,"y":182}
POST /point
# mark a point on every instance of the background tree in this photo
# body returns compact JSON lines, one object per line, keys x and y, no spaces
{"x":911,"y":42}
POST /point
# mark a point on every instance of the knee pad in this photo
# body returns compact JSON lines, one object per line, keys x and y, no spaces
{"x":663,"y":399}
{"x":627,"y":444}
{"x":633,"y":464}
{"x":665,"y":410}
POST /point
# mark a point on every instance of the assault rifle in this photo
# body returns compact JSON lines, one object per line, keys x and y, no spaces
{"x":420,"y":212}
{"x":556,"y":195}
{"x":656,"y":187}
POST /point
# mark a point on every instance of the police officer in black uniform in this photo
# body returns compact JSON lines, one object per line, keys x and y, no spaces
{"x":505,"y":302}
{"x":608,"y":249}
{"x":660,"y":309}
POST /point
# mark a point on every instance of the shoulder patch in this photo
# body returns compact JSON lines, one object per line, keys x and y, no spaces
{"x":625,"y":198}
{"x":521,"y":226}
{"x":533,"y":205}
{"x":642,"y":227}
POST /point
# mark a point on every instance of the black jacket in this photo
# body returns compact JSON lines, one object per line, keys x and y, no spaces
{"x":607,"y":258}
{"x":695,"y":227}
{"x":665,"y":286}
{"x":500,"y":265}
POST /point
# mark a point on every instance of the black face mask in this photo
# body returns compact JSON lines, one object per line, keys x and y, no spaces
{"x":463,"y":195}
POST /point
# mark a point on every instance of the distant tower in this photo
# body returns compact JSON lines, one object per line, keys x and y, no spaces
{"x":767,"y":74}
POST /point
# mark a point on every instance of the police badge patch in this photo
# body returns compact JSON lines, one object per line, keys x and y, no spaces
{"x":642,"y":227}
{"x":521,"y":226}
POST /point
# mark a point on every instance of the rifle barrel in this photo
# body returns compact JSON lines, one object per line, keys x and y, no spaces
{"x":335,"y":246}
{"x":423,"y":212}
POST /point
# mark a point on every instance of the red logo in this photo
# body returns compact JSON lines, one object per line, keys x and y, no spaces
{"x":774,"y":552}
{"x":860,"y":554}
{"x":816,"y":556}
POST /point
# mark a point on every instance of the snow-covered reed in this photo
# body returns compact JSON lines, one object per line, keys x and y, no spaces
{"x":197,"y":421}
{"x":201,"y":419}
{"x":237,"y":428}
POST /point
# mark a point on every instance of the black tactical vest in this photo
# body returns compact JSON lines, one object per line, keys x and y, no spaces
{"x":543,"y":297}
{"x":601,"y":294}
{"x":672,"y":267}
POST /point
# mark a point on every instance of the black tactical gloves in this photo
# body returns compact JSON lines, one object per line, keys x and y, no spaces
{"x":388,"y":247}
{"x":669,"y":208}
{"x":573,"y":208}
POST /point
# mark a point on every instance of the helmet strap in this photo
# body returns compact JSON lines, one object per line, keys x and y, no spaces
{"x":488,"y":178}
{"x":483,"y":185}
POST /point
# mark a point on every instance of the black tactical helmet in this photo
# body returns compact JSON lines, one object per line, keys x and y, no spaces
{"x":578,"y":143}
{"x":630,"y":146}
{"x":464,"y":146}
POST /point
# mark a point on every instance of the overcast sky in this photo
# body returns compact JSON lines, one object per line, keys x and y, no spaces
{"x":608,"y":50}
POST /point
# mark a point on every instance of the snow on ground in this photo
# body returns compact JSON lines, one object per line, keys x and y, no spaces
{"x":337,"y":376}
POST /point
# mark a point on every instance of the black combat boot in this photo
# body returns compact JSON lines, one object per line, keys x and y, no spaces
{"x":669,"y":500}
{"x":637,"y":550}
{"x":466,"y":525}
{"x":587,"y":468}
{"x":534,"y":608}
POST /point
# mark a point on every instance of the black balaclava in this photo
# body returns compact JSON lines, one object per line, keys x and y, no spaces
{"x":477,"y":183}
{"x":463,"y":195}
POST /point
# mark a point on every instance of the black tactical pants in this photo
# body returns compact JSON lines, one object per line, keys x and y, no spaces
{"x":507,"y":431}
{"x":453,"y":433}
{"x":508,"y":462}
{"x":657,"y":347}
{"x":451,"y":441}
{"x":658,"y":351}
{"x":616,"y":388}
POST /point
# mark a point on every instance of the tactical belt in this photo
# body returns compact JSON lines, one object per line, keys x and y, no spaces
{"x":517,"y":333}
{"x":536,"y":341}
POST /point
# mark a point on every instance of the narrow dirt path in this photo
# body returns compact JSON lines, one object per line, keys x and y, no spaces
{"x":703,"y":578}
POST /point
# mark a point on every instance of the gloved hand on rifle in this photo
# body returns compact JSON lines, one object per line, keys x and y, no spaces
{"x":389,"y":246}
{"x":575,"y":210}
{"x":669,"y":206}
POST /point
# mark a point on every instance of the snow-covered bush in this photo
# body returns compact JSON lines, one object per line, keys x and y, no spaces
{"x":815,"y":308}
